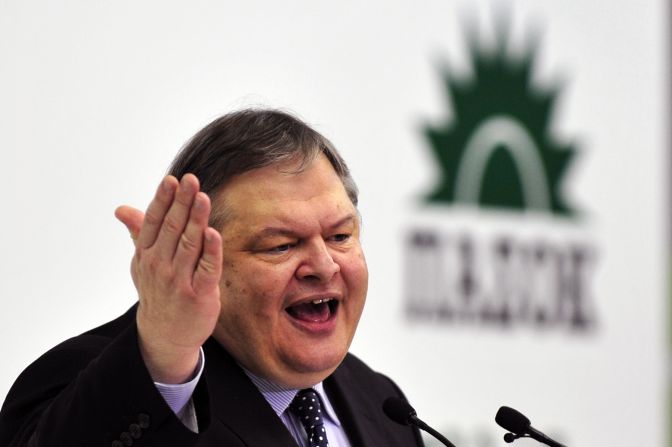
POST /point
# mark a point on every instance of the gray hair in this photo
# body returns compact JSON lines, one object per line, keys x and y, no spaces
{"x":249,"y":139}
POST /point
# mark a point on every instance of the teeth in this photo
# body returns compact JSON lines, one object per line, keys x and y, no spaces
{"x":321,"y":300}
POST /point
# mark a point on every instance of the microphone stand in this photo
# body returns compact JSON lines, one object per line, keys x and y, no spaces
{"x":402,"y":413}
{"x":422,"y":426}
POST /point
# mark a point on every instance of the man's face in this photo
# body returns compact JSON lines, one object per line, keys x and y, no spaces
{"x":294,"y":280}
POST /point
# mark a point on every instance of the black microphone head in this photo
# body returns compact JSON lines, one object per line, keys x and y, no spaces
{"x":512,"y":420}
{"x":398,"y":410}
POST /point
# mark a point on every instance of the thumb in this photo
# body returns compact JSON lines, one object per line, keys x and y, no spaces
{"x":131,"y":218}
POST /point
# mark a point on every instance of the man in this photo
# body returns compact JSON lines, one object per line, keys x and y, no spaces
{"x":251,"y":281}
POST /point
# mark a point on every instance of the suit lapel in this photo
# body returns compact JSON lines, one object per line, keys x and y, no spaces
{"x":355,"y":412}
{"x":357,"y":395}
{"x":237,"y":404}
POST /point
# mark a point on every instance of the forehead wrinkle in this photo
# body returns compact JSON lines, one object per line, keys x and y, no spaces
{"x":259,"y":208}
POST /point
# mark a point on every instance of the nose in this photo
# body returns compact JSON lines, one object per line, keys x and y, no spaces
{"x":318,"y":264}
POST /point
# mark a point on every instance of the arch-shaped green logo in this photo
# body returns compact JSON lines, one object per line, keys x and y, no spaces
{"x":498,"y":150}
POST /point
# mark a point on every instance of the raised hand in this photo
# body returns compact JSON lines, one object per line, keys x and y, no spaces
{"x":176,"y":270}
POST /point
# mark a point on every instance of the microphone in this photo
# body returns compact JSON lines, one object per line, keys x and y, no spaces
{"x":520,"y":427}
{"x":402,"y":413}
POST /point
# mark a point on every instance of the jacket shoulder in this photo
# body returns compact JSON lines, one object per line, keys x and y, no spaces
{"x":89,"y":390}
{"x":68,"y":357}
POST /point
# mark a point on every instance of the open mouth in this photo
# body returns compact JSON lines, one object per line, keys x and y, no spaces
{"x":315,"y":311}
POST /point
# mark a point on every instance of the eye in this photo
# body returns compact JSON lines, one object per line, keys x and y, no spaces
{"x":342,"y":237}
{"x":283,"y":248}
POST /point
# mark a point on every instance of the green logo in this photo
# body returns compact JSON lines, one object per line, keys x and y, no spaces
{"x":498,"y":150}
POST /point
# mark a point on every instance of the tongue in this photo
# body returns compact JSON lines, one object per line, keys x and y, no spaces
{"x":315,"y":313}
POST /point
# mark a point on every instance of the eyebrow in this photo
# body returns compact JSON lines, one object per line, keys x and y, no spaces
{"x":281,"y":231}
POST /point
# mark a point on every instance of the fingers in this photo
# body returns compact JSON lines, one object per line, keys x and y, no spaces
{"x":175,"y":233}
{"x":191,"y":240}
{"x":209,"y":268}
{"x":176,"y":218}
{"x":156,"y":212}
{"x":131,"y":218}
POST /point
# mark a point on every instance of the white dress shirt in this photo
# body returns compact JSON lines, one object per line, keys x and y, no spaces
{"x":178,"y":398}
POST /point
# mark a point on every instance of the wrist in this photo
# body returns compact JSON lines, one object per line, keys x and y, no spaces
{"x":168,"y":364}
{"x":171,"y":368}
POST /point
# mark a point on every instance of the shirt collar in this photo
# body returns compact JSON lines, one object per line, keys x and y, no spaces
{"x":279,"y":397}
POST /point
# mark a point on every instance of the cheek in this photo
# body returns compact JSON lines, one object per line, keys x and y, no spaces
{"x":355,"y":271}
{"x":255,"y":288}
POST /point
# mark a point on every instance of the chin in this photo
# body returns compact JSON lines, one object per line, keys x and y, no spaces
{"x":315,"y":368}
{"x":306,"y":379}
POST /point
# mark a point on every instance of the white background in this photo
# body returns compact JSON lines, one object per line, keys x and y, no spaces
{"x":96,"y":97}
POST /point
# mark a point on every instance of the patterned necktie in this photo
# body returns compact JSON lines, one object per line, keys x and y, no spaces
{"x":306,"y":405}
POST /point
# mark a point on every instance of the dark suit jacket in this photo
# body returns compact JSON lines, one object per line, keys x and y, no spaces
{"x":94,"y":390}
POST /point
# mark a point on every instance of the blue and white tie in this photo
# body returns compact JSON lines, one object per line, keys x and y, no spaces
{"x":306,"y":405}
